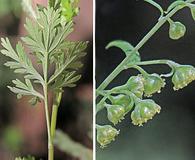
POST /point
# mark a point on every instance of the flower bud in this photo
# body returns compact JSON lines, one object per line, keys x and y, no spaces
{"x":152,"y":84}
{"x":136,"y":85}
{"x":106,"y":134}
{"x":115,"y":113}
{"x":123,"y":100}
{"x":144,"y":110}
{"x":176,"y":30}
{"x":184,"y":74}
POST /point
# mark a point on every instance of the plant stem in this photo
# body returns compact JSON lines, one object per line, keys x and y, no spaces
{"x":120,"y":67}
{"x":55,"y":107}
{"x":161,"y":61}
{"x":50,"y":143}
{"x":45,"y":89}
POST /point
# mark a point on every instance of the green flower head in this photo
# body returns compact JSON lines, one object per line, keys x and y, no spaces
{"x":176,"y":30}
{"x":106,"y":134}
{"x":115,"y":113}
{"x":152,"y":84}
{"x":184,"y":74}
{"x":136,"y":85}
{"x":123,"y":100}
{"x":144,"y":110}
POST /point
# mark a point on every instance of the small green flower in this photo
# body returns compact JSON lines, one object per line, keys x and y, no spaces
{"x":106,"y":134}
{"x":115,"y":113}
{"x":176,"y":30}
{"x":152,"y":84}
{"x":183,"y":75}
{"x":69,"y":9}
{"x":123,"y":100}
{"x":144,"y":110}
{"x":136,"y":85}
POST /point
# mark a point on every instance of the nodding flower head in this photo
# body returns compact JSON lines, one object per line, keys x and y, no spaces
{"x":106,"y":134}
{"x":115,"y":113}
{"x":152,"y":84}
{"x":123,"y":100}
{"x":176,"y":30}
{"x":184,"y":74}
{"x":144,"y":110}
{"x":136,"y":85}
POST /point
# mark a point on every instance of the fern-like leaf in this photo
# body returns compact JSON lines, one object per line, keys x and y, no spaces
{"x":24,"y":89}
{"x":20,"y":62}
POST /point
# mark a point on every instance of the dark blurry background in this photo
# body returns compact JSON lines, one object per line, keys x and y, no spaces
{"x":171,"y":134}
{"x":22,"y":127}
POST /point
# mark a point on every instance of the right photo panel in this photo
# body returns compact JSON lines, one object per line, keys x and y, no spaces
{"x":145,"y":58}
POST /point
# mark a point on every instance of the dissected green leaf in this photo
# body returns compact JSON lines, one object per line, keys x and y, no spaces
{"x":24,"y":89}
{"x":127,"y":48}
{"x":65,"y":75}
{"x":67,"y":145}
{"x":46,"y":41}
{"x":20,"y":61}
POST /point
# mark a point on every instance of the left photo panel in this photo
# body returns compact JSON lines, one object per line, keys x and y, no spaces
{"x":46,"y":80}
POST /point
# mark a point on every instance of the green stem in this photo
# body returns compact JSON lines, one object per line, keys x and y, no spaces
{"x":161,"y":61}
{"x":120,"y":67}
{"x":45,"y":89}
{"x":50,"y":143}
{"x":55,"y":107}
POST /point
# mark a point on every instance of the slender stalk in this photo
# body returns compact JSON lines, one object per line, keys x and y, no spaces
{"x":50,"y":143}
{"x":45,"y":88}
{"x":120,"y":67}
{"x":55,"y":107}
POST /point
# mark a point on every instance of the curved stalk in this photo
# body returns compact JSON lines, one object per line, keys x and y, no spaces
{"x":120,"y":67}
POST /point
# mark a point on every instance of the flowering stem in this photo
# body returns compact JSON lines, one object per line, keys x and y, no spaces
{"x":120,"y":67}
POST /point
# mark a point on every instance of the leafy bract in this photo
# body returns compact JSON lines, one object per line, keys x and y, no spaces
{"x":127,"y":48}
{"x":155,"y":5}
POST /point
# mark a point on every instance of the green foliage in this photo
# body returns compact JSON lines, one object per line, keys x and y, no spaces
{"x":69,"y":9}
{"x":46,"y":42}
{"x":75,"y":149}
{"x":130,"y":97}
{"x":25,"y":158}
{"x":126,"y":48}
